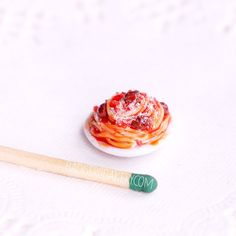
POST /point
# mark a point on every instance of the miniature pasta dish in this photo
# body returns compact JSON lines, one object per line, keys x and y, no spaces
{"x":128,"y":120}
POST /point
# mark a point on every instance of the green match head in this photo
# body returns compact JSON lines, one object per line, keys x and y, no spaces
{"x":143,"y":183}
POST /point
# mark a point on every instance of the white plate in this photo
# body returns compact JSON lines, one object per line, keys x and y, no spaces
{"x":132,"y":152}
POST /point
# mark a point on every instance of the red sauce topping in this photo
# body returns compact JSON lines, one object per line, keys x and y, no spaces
{"x":142,"y":123}
{"x":115,"y":101}
{"x":95,"y":108}
{"x":132,"y":109}
{"x":130,"y":96}
{"x":102,"y":112}
{"x":95,"y":130}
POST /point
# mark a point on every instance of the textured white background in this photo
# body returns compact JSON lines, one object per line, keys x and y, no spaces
{"x":59,"y":58}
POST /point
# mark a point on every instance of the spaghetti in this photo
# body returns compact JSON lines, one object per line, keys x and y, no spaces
{"x":129,"y":119}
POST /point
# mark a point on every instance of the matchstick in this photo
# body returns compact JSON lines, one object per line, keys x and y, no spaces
{"x":137,"y":182}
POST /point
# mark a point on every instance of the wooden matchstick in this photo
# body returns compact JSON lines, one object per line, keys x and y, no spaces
{"x":137,"y":182}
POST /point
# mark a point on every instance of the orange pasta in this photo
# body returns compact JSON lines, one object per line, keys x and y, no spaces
{"x":129,"y":119}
